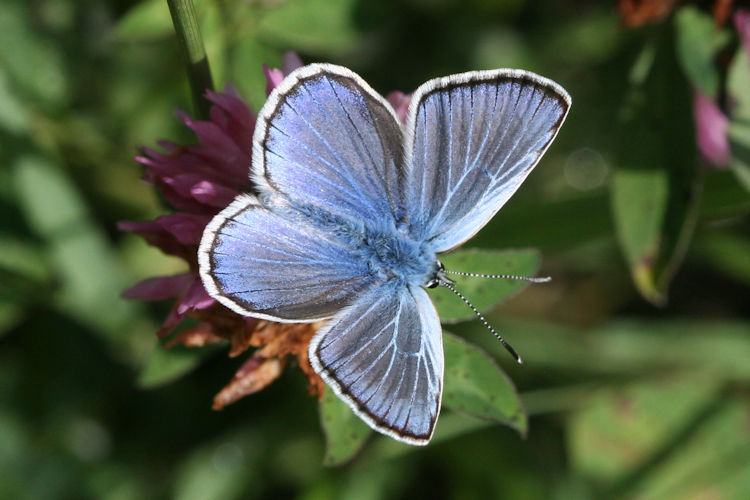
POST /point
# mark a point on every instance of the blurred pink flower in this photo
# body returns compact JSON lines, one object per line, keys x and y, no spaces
{"x":711,"y":123}
{"x":711,"y":126}
{"x":400,"y":103}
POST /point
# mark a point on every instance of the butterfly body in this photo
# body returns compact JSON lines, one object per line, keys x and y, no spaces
{"x":352,"y":211}
{"x":385,"y":249}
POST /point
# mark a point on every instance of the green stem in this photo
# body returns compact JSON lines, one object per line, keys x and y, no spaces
{"x":191,"y":47}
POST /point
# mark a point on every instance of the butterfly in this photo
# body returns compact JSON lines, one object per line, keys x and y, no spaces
{"x":351,"y":210}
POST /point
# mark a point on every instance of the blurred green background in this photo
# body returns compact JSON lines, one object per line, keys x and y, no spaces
{"x":637,"y":356}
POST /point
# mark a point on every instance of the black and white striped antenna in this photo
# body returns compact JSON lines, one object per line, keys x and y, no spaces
{"x":446,"y":282}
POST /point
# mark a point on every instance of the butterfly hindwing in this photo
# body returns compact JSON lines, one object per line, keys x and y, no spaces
{"x":326,"y":140}
{"x":472,"y":139}
{"x":273,"y":265}
{"x":384,"y":356}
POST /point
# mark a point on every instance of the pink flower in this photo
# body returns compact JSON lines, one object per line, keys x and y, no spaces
{"x":400,"y":103}
{"x":711,"y":123}
{"x":711,"y":126}
{"x":198,"y":181}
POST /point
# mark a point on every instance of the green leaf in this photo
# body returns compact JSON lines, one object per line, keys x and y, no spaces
{"x":147,"y":20}
{"x":698,"y":42}
{"x":32,"y":62}
{"x":14,"y":114}
{"x":85,"y":264}
{"x":220,"y":469}
{"x":712,"y":454}
{"x":23,"y":258}
{"x":167,"y":365}
{"x":738,"y":83}
{"x":484,"y":293}
{"x":655,"y":190}
{"x":11,"y":315}
{"x":324,"y":26}
{"x":150,"y":19}
{"x":345,"y":432}
{"x":592,"y":37}
{"x":727,"y":251}
{"x":474,"y":384}
{"x":616,"y":431}
{"x":214,"y":34}
{"x":624,"y":347}
{"x":247,"y":57}
{"x":669,"y":439}
{"x":639,"y":202}
{"x":723,"y":198}
{"x":450,"y":426}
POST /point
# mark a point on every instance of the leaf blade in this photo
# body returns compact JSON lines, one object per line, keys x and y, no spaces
{"x":344,"y":432}
{"x":475,"y":385}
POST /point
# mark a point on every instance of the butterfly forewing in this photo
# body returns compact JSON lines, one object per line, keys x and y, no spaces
{"x":327,"y":141}
{"x":473,"y":138}
{"x":277,"y":266}
{"x":384,"y":357}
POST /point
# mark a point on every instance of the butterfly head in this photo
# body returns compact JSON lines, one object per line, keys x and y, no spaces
{"x":439,"y":277}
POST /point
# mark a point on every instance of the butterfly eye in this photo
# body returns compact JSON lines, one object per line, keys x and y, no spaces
{"x":438,"y":277}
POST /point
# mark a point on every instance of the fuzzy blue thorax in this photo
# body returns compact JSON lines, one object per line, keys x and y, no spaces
{"x":392,"y":255}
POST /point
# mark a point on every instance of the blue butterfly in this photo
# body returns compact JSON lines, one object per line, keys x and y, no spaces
{"x":352,"y":210}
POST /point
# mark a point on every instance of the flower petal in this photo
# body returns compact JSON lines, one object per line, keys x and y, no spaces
{"x":196,"y":298}
{"x":711,"y":127}
{"x":186,"y":228}
{"x":273,"y":78}
{"x":155,"y":234}
{"x":197,"y":336}
{"x":160,"y":288}
{"x":170,"y":322}
{"x":290,"y":61}
{"x":219,"y":150}
{"x":236,"y":117}
{"x":213,"y":194}
{"x":255,"y":374}
{"x":400,"y":103}
{"x":182,"y":201}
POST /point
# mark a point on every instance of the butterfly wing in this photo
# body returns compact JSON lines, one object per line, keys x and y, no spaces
{"x":472,"y":139}
{"x":273,"y":265}
{"x":326,"y":153}
{"x":325,"y":140}
{"x":384,"y":356}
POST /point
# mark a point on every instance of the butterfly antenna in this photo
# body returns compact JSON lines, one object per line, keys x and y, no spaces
{"x":507,"y":346}
{"x":540,"y":279}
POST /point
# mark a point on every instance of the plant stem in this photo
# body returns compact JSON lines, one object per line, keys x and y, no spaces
{"x":191,"y":46}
